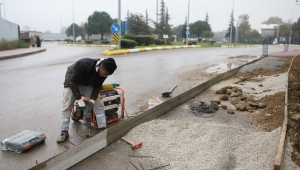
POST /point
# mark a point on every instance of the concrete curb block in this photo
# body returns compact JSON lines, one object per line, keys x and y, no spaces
{"x":128,"y":51}
{"x":237,"y":46}
{"x":76,"y":154}
{"x":20,"y":55}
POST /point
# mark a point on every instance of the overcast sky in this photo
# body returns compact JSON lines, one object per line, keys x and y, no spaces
{"x":42,"y":15}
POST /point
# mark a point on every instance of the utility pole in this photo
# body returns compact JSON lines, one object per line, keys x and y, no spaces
{"x":119,"y":22}
{"x":73,"y":23}
{"x":0,"y":10}
{"x":156,"y":15}
{"x":60,"y":27}
{"x":231,"y":23}
{"x":187,"y":36}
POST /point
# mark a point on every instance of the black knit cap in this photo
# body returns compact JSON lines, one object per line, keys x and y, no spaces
{"x":109,"y":66}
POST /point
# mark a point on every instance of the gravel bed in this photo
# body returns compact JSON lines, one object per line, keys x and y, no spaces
{"x":186,"y":141}
{"x":207,"y":145}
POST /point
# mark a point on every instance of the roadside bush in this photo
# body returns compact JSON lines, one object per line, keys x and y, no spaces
{"x":10,"y":45}
{"x":105,"y":42}
{"x":189,"y":43}
{"x":158,"y":42}
{"x":128,"y":43}
{"x":67,"y":40}
{"x":141,"y":40}
{"x":129,"y":36}
{"x":212,"y":42}
{"x":193,"y":42}
{"x":89,"y":41}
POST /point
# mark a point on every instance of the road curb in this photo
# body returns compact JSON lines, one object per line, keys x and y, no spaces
{"x":128,"y":51}
{"x":237,"y":46}
{"x":20,"y":55}
{"x":87,"y":45}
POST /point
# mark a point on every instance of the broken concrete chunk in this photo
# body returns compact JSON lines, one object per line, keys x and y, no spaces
{"x":230,"y":111}
{"x":224,"y":106}
{"x":234,"y":94}
{"x":223,"y":97}
{"x":214,"y":105}
{"x":261,"y":105}
{"x":235,"y":100}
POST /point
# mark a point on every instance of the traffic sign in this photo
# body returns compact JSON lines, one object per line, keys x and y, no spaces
{"x":187,"y":32}
{"x":115,"y":28}
{"x":187,"y":28}
{"x":116,"y":38}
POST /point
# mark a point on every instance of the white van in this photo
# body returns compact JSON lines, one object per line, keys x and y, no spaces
{"x":275,"y":41}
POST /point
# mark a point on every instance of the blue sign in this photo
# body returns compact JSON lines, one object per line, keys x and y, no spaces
{"x":115,"y":28}
{"x":187,"y":32}
{"x":124,"y":27}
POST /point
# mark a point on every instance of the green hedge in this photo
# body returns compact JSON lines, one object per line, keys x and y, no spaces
{"x":89,"y":41}
{"x":128,"y":43}
{"x":105,"y":42}
{"x":129,"y":36}
{"x":159,"y":42}
{"x":141,"y":40}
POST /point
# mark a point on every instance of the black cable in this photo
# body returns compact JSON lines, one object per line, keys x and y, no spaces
{"x":202,"y":109}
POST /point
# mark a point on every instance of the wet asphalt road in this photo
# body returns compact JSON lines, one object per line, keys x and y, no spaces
{"x":31,"y":89}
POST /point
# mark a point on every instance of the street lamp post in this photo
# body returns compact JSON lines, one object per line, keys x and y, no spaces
{"x":187,"y":36}
{"x":290,"y":40}
{"x":73,"y":22}
{"x":0,"y":9}
{"x":231,"y":24}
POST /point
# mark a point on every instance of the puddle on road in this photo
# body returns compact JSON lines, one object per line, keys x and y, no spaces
{"x":238,"y":61}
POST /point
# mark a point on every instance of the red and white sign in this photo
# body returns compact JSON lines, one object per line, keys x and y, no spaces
{"x":187,"y":28}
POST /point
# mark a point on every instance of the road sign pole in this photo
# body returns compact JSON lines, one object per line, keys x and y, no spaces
{"x":119,"y":22}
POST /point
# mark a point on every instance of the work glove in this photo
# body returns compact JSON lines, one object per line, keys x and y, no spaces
{"x":80,"y":103}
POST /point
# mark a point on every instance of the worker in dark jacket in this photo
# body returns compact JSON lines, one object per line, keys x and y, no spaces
{"x":86,"y":77}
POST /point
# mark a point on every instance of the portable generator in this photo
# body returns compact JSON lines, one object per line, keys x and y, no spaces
{"x":112,"y":99}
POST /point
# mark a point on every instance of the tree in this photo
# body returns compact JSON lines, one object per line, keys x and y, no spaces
{"x":78,"y":30}
{"x":244,"y":28}
{"x":88,"y":30}
{"x":206,"y":17}
{"x":296,"y":30}
{"x":100,"y":23}
{"x":178,"y":31}
{"x":163,"y":26}
{"x":183,"y":31}
{"x":199,"y":28}
{"x":273,"y":20}
{"x":48,"y":31}
{"x":284,"y":29}
{"x":138,"y":25}
{"x":231,"y":24}
{"x":208,"y":34}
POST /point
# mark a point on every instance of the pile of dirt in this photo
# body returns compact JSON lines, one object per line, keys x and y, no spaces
{"x":272,"y":117}
{"x":294,"y":109}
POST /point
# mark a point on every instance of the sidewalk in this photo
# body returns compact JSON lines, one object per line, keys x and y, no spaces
{"x":20,"y":52}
